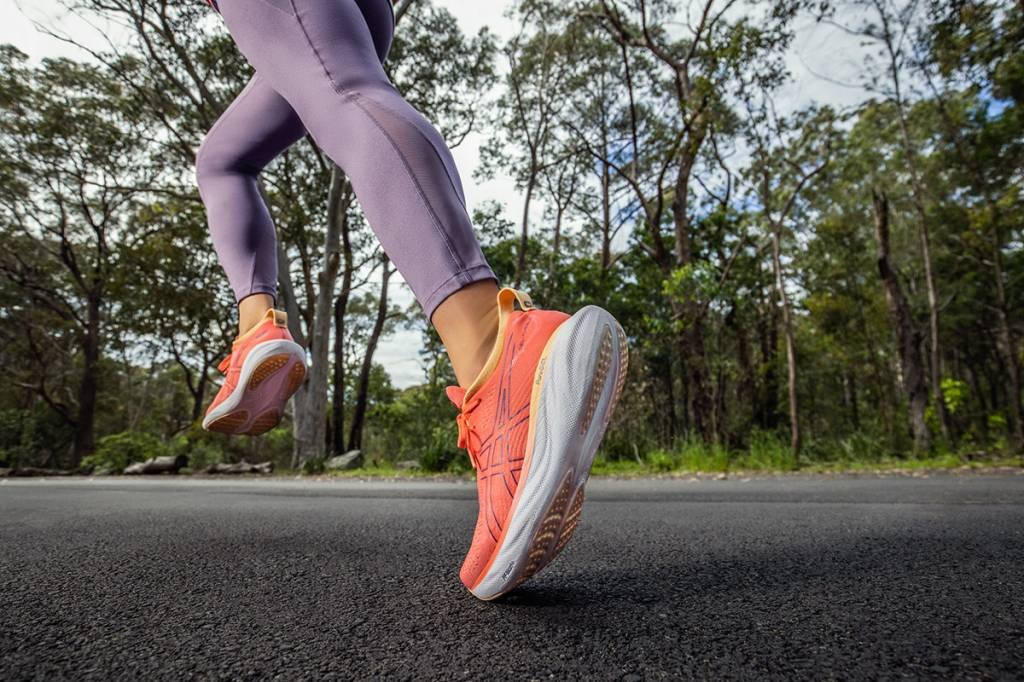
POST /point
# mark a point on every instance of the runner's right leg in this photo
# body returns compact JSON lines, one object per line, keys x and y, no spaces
{"x":265,"y":366}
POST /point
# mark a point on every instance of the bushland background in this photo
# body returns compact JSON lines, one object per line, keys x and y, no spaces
{"x":803,"y":285}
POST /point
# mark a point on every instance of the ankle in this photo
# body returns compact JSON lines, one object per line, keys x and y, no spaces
{"x":467,"y":322}
{"x":251,"y":311}
{"x":472,"y":362}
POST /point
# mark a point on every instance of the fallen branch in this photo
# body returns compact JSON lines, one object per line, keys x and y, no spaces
{"x":240,"y":468}
{"x":158,"y":465}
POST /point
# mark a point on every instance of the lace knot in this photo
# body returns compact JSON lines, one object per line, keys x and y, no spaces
{"x":224,"y":364}
{"x":465,"y":430}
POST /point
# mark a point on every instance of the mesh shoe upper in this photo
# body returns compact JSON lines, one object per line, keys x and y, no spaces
{"x":495,"y":418}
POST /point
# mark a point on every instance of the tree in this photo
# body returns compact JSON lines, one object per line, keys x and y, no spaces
{"x":908,"y":337}
{"x":783,"y":166}
{"x":539,"y":63}
{"x":71,"y":146}
{"x":718,"y":55}
{"x":892,"y":33}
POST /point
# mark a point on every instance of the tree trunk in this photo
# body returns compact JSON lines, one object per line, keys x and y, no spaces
{"x":908,"y":338}
{"x":355,"y":439}
{"x":524,"y":238}
{"x":691,"y":341}
{"x":340,"y":309}
{"x":311,"y":399}
{"x":667,"y":377}
{"x":787,"y":327}
{"x":1006,"y":341}
{"x":691,"y":350}
{"x":556,"y":246}
{"x":84,"y":439}
{"x":767,"y":408}
{"x":606,"y":218}
{"x":917,"y":194}
{"x":199,"y":396}
{"x":850,"y":396}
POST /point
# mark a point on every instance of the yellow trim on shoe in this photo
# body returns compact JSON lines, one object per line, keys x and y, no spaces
{"x":506,"y":304}
{"x":279,"y":318}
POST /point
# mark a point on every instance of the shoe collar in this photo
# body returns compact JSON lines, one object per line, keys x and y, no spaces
{"x":507,"y":299}
{"x":278,"y":317}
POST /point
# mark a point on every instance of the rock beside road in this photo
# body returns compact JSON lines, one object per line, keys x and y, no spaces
{"x":407,"y":465}
{"x":352,"y":459}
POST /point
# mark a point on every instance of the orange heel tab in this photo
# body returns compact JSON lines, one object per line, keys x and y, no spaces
{"x":279,"y":317}
{"x":507,"y":297}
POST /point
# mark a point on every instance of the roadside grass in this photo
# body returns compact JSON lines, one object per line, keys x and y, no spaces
{"x":765,"y":455}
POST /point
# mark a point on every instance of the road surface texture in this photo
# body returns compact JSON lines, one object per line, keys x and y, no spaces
{"x":778,"y":578}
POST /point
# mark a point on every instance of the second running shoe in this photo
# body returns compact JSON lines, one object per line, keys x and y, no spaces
{"x":262,"y":372}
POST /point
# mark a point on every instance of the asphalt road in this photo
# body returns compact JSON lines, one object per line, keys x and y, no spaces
{"x":783,"y":578}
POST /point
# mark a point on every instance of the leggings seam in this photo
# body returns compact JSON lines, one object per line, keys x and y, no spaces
{"x":463,"y":273}
{"x":309,"y":41}
{"x":419,"y":189}
{"x":433,"y":147}
{"x":353,"y":96}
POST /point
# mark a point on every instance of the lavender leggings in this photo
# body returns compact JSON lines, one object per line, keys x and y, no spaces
{"x":318,"y":70}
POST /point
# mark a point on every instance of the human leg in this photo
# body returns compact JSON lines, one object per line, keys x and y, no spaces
{"x":257,"y":127}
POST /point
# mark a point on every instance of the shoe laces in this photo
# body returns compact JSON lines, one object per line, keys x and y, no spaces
{"x":224,"y":364}
{"x":466,"y":429}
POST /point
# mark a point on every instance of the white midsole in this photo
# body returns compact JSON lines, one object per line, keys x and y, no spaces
{"x":558,"y":447}
{"x":257,"y":355}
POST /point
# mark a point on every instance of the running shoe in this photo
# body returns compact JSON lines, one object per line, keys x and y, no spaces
{"x":262,"y":372}
{"x":532,"y":422}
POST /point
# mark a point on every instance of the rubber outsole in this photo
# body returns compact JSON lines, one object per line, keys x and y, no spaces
{"x":257,"y":403}
{"x":567,"y":426}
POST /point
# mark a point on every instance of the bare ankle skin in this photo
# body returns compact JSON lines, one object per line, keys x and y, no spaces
{"x":251,"y":310}
{"x":468,"y":324}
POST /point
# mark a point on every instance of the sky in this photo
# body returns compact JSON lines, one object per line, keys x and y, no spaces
{"x":824,"y":61}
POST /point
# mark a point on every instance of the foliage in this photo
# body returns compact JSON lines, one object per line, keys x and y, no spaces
{"x":661,"y":178}
{"x":118,"y":450}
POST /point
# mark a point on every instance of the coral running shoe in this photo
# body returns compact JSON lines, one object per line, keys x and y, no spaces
{"x":262,"y":372}
{"x":532,"y":422}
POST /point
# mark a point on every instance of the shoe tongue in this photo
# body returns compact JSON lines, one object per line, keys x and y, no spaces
{"x":456,"y":394}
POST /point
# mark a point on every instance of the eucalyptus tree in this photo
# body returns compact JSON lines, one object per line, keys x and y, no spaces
{"x":73,"y":157}
{"x":970,"y":57}
{"x":786,"y":157}
{"x":704,"y":51}
{"x":539,"y":59}
{"x":890,"y":26}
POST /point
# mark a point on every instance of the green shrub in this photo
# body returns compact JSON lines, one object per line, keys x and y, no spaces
{"x":35,"y":437}
{"x":696,"y":455}
{"x":460,"y":464}
{"x":201,"y":449}
{"x":119,"y":450}
{"x":442,"y":448}
{"x":661,"y":461}
{"x":312,"y":467}
{"x":768,"y":451}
